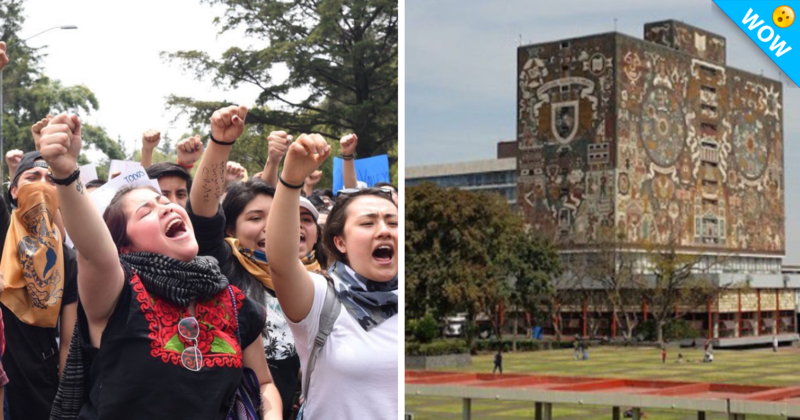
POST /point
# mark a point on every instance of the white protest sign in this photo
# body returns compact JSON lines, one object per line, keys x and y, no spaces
{"x":88,"y":173}
{"x":132,"y":177}
{"x":121,"y":166}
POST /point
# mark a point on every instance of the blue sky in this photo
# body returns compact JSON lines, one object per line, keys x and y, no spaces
{"x":460,"y":72}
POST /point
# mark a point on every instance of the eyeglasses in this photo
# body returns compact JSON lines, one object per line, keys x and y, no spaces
{"x":388,"y":191}
{"x":191,"y":358}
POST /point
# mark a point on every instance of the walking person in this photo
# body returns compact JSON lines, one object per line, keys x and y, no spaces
{"x":160,"y":333}
{"x":498,"y":361}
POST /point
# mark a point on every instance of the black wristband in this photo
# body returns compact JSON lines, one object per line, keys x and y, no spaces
{"x":349,"y":157}
{"x":222,"y":143}
{"x":288,"y":185}
{"x":68,"y":180}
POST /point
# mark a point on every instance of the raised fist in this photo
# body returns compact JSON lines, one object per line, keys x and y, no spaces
{"x":3,"y":56}
{"x":304,"y":157}
{"x":36,"y":129}
{"x":314,"y":178}
{"x":233,"y":172}
{"x":227,"y":123}
{"x":13,"y":157}
{"x":150,"y":139}
{"x":349,"y":143}
{"x":61,"y":144}
{"x":189,"y":150}
{"x":279,"y":143}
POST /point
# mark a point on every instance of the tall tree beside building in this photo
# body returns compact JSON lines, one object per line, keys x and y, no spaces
{"x":535,"y":265}
{"x":676,"y":282}
{"x":458,"y":245}
{"x":613,"y":268}
{"x":342,"y":62}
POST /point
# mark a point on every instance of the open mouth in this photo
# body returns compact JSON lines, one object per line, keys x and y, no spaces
{"x":383,"y":254}
{"x":262,"y":244}
{"x":175,"y":228}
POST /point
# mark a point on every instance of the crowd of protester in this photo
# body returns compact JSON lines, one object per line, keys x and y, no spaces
{"x":221,"y":296}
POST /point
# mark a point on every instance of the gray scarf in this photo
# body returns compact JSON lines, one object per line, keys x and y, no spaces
{"x":368,"y":302}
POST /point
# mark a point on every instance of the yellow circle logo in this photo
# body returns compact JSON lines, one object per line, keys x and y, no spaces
{"x":783,"y":16}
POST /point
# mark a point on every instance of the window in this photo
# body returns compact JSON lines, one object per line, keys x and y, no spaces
{"x":710,"y":108}
{"x":708,"y":128}
{"x":708,"y":71}
{"x":565,"y":44}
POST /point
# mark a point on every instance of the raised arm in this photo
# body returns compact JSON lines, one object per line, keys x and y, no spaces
{"x":279,"y":143}
{"x":189,"y":151}
{"x":293,"y":284}
{"x":150,"y":140}
{"x":100,"y":276}
{"x":13,"y":157}
{"x":312,"y":182}
{"x":227,"y":125}
{"x":36,"y":130}
{"x":349,"y":143}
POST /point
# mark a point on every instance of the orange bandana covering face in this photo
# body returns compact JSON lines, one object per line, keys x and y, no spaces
{"x":259,"y":269}
{"x":33,"y":258}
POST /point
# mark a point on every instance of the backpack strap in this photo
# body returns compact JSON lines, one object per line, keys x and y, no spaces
{"x":327,"y":317}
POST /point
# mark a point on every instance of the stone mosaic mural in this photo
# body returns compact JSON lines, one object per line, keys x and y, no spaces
{"x":663,"y":144}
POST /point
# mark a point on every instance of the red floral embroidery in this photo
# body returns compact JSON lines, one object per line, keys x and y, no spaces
{"x":214,"y":315}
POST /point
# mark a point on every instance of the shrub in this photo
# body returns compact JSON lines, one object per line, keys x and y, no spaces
{"x":426,"y":329}
{"x":674,"y":329}
{"x":436,"y":348}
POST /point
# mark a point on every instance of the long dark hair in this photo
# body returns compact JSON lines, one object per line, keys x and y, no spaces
{"x":336,"y":219}
{"x":239,"y":194}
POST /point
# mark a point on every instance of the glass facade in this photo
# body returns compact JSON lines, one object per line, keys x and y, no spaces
{"x":500,"y":182}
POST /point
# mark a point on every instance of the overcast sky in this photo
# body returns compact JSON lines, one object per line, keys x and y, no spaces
{"x":115,"y":52}
{"x":461,"y":72}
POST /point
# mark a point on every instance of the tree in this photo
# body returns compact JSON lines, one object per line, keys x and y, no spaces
{"x":535,"y":264}
{"x":29,"y":95}
{"x":342,"y":60}
{"x":457,"y":247}
{"x":675,"y":282}
{"x":613,"y":269}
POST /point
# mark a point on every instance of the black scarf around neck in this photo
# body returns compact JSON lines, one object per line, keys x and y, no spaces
{"x":175,"y":281}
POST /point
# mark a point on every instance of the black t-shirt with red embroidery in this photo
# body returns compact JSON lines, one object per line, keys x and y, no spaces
{"x":137,"y":372}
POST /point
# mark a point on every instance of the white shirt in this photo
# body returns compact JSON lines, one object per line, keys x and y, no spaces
{"x":355,"y":376}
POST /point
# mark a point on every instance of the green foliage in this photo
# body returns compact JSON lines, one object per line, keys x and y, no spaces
{"x":674,"y":329}
{"x":522,"y":345}
{"x":457,"y":248}
{"x":426,"y":329}
{"x":342,"y":53}
{"x":437,"y":348}
{"x":534,"y":263}
{"x":29,"y":95}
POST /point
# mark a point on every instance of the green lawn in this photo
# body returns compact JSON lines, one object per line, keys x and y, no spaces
{"x":747,"y":367}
